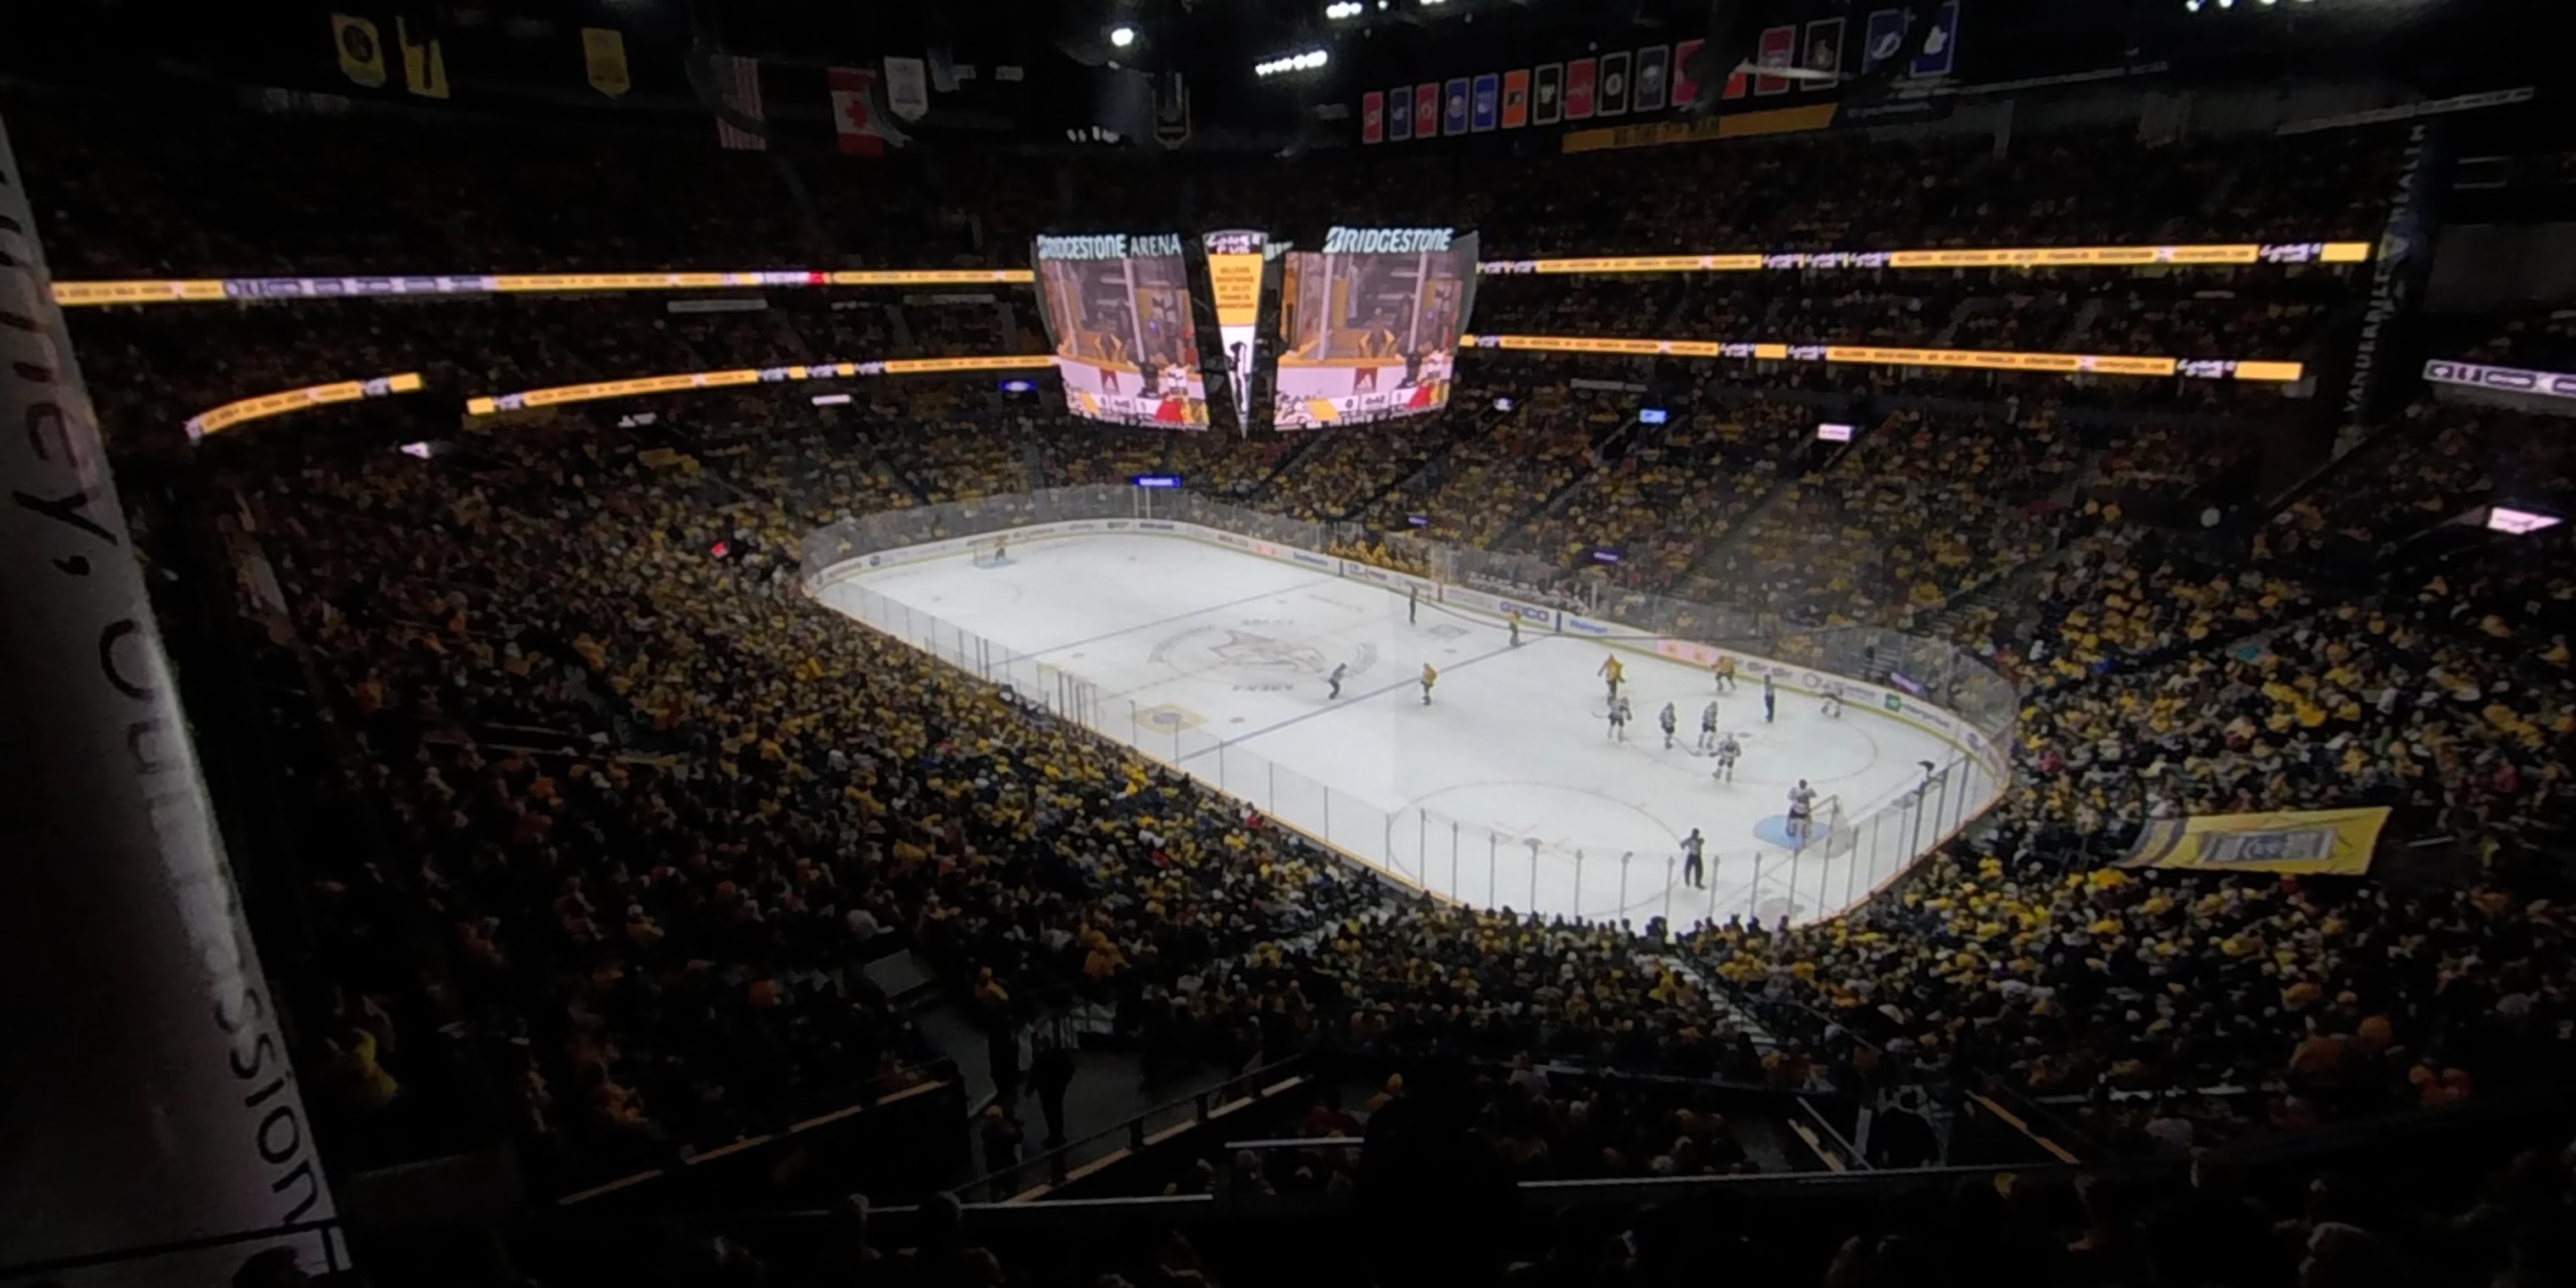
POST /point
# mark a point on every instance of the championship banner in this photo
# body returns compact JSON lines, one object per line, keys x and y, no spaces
{"x":1685,"y":89}
{"x":1882,"y":40}
{"x":2296,"y":843}
{"x":1824,"y":53}
{"x":424,"y":64}
{"x":1373,"y":117}
{"x":362,"y":52}
{"x":603,"y":54}
{"x":1516,"y":98}
{"x":1547,"y":94}
{"x":907,"y":84}
{"x":1579,"y":76}
{"x":1614,"y":86}
{"x":1940,"y":54}
{"x":1453,"y":119}
{"x":1653,"y":66}
{"x":1399,"y":114}
{"x":1487,"y":108}
{"x":1426,"y":111}
{"x":1778,"y":50}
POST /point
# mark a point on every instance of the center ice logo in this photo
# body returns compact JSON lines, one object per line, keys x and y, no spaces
{"x":1252,"y":661}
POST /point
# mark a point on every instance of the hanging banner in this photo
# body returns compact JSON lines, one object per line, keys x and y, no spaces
{"x":1487,"y":109}
{"x":738,"y":88}
{"x":1652,"y":78}
{"x":603,"y":55}
{"x":1824,"y":54}
{"x":2301,"y":843}
{"x":1454,"y":118}
{"x":1547,"y":94}
{"x":1516,"y":98}
{"x":1685,"y":89}
{"x":2405,"y":259}
{"x":1882,"y":39}
{"x":1171,"y":109}
{"x":1612,"y":100}
{"x":1940,"y":54}
{"x":1399,"y":113}
{"x":1426,"y":111}
{"x":424,"y":64}
{"x":362,"y":53}
{"x":907,"y":82}
{"x":1579,"y":87}
{"x":1373,"y":117}
{"x":1778,"y":50}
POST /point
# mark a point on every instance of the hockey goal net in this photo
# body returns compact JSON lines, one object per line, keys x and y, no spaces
{"x":989,"y":552}
{"x":1829,"y":829}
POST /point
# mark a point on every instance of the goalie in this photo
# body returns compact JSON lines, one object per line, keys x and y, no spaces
{"x":1833,"y":707}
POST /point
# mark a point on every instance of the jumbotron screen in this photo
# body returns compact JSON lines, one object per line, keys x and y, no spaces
{"x":1117,"y":311}
{"x":1369,"y":324}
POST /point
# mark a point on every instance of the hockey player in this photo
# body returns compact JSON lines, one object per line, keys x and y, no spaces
{"x":1429,"y":678}
{"x":1722,"y":674}
{"x":1413,"y":605}
{"x":1727,"y":750}
{"x":1670,"y":722}
{"x":1611,"y":671}
{"x":1694,"y":868}
{"x":1335,"y":679}
{"x":1770,"y":701}
{"x":1619,"y":719}
{"x":1802,"y":809}
{"x":1708,"y":727}
{"x":1833,"y":701}
{"x":1515,"y":621}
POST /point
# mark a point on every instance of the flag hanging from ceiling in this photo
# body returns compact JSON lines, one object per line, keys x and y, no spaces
{"x":1399,"y":113}
{"x":863,"y":131}
{"x":1453,"y":119}
{"x":1426,"y":111}
{"x":603,"y":53}
{"x":1373,"y":116}
{"x":424,"y":64}
{"x":1580,"y":78}
{"x":362,"y":53}
{"x":738,"y":89}
{"x":1685,"y":88}
{"x":1516,"y":98}
{"x":1547,"y":95}
{"x":1613,"y":97}
{"x":1653,"y":77}
{"x":1488,"y":93}
{"x":1824,"y":53}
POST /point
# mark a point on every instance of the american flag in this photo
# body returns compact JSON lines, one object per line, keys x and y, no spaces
{"x":738,"y":85}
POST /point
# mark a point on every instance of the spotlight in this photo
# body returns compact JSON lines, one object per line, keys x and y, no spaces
{"x":1307,"y":61}
{"x":1122,"y":35}
{"x":1341,"y":9}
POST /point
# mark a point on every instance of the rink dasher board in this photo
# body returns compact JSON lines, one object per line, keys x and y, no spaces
{"x":1877,"y":700}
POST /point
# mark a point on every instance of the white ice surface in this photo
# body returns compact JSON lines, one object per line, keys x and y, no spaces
{"x":1215,"y":660}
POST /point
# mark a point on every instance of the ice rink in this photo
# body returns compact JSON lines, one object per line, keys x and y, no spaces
{"x":1217,"y":661}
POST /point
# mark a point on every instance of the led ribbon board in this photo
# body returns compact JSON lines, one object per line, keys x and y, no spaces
{"x":676,"y":382}
{"x":215,"y":420}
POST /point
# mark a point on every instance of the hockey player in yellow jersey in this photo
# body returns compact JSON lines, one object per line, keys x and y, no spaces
{"x":1429,"y":678}
{"x":1612,"y":671}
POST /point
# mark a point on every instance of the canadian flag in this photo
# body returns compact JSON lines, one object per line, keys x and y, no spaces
{"x":863,"y":132}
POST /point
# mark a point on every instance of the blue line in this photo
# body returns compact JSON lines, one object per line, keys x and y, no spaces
{"x":1312,"y":580}
{"x":1334,"y":706}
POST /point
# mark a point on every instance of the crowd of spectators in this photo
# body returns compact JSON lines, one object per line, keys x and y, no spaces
{"x":658,"y":811}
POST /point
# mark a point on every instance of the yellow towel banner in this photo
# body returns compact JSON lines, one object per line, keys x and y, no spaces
{"x":603,"y":50}
{"x":362,"y":52}
{"x":2331,"y":842}
{"x":424,"y":64}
